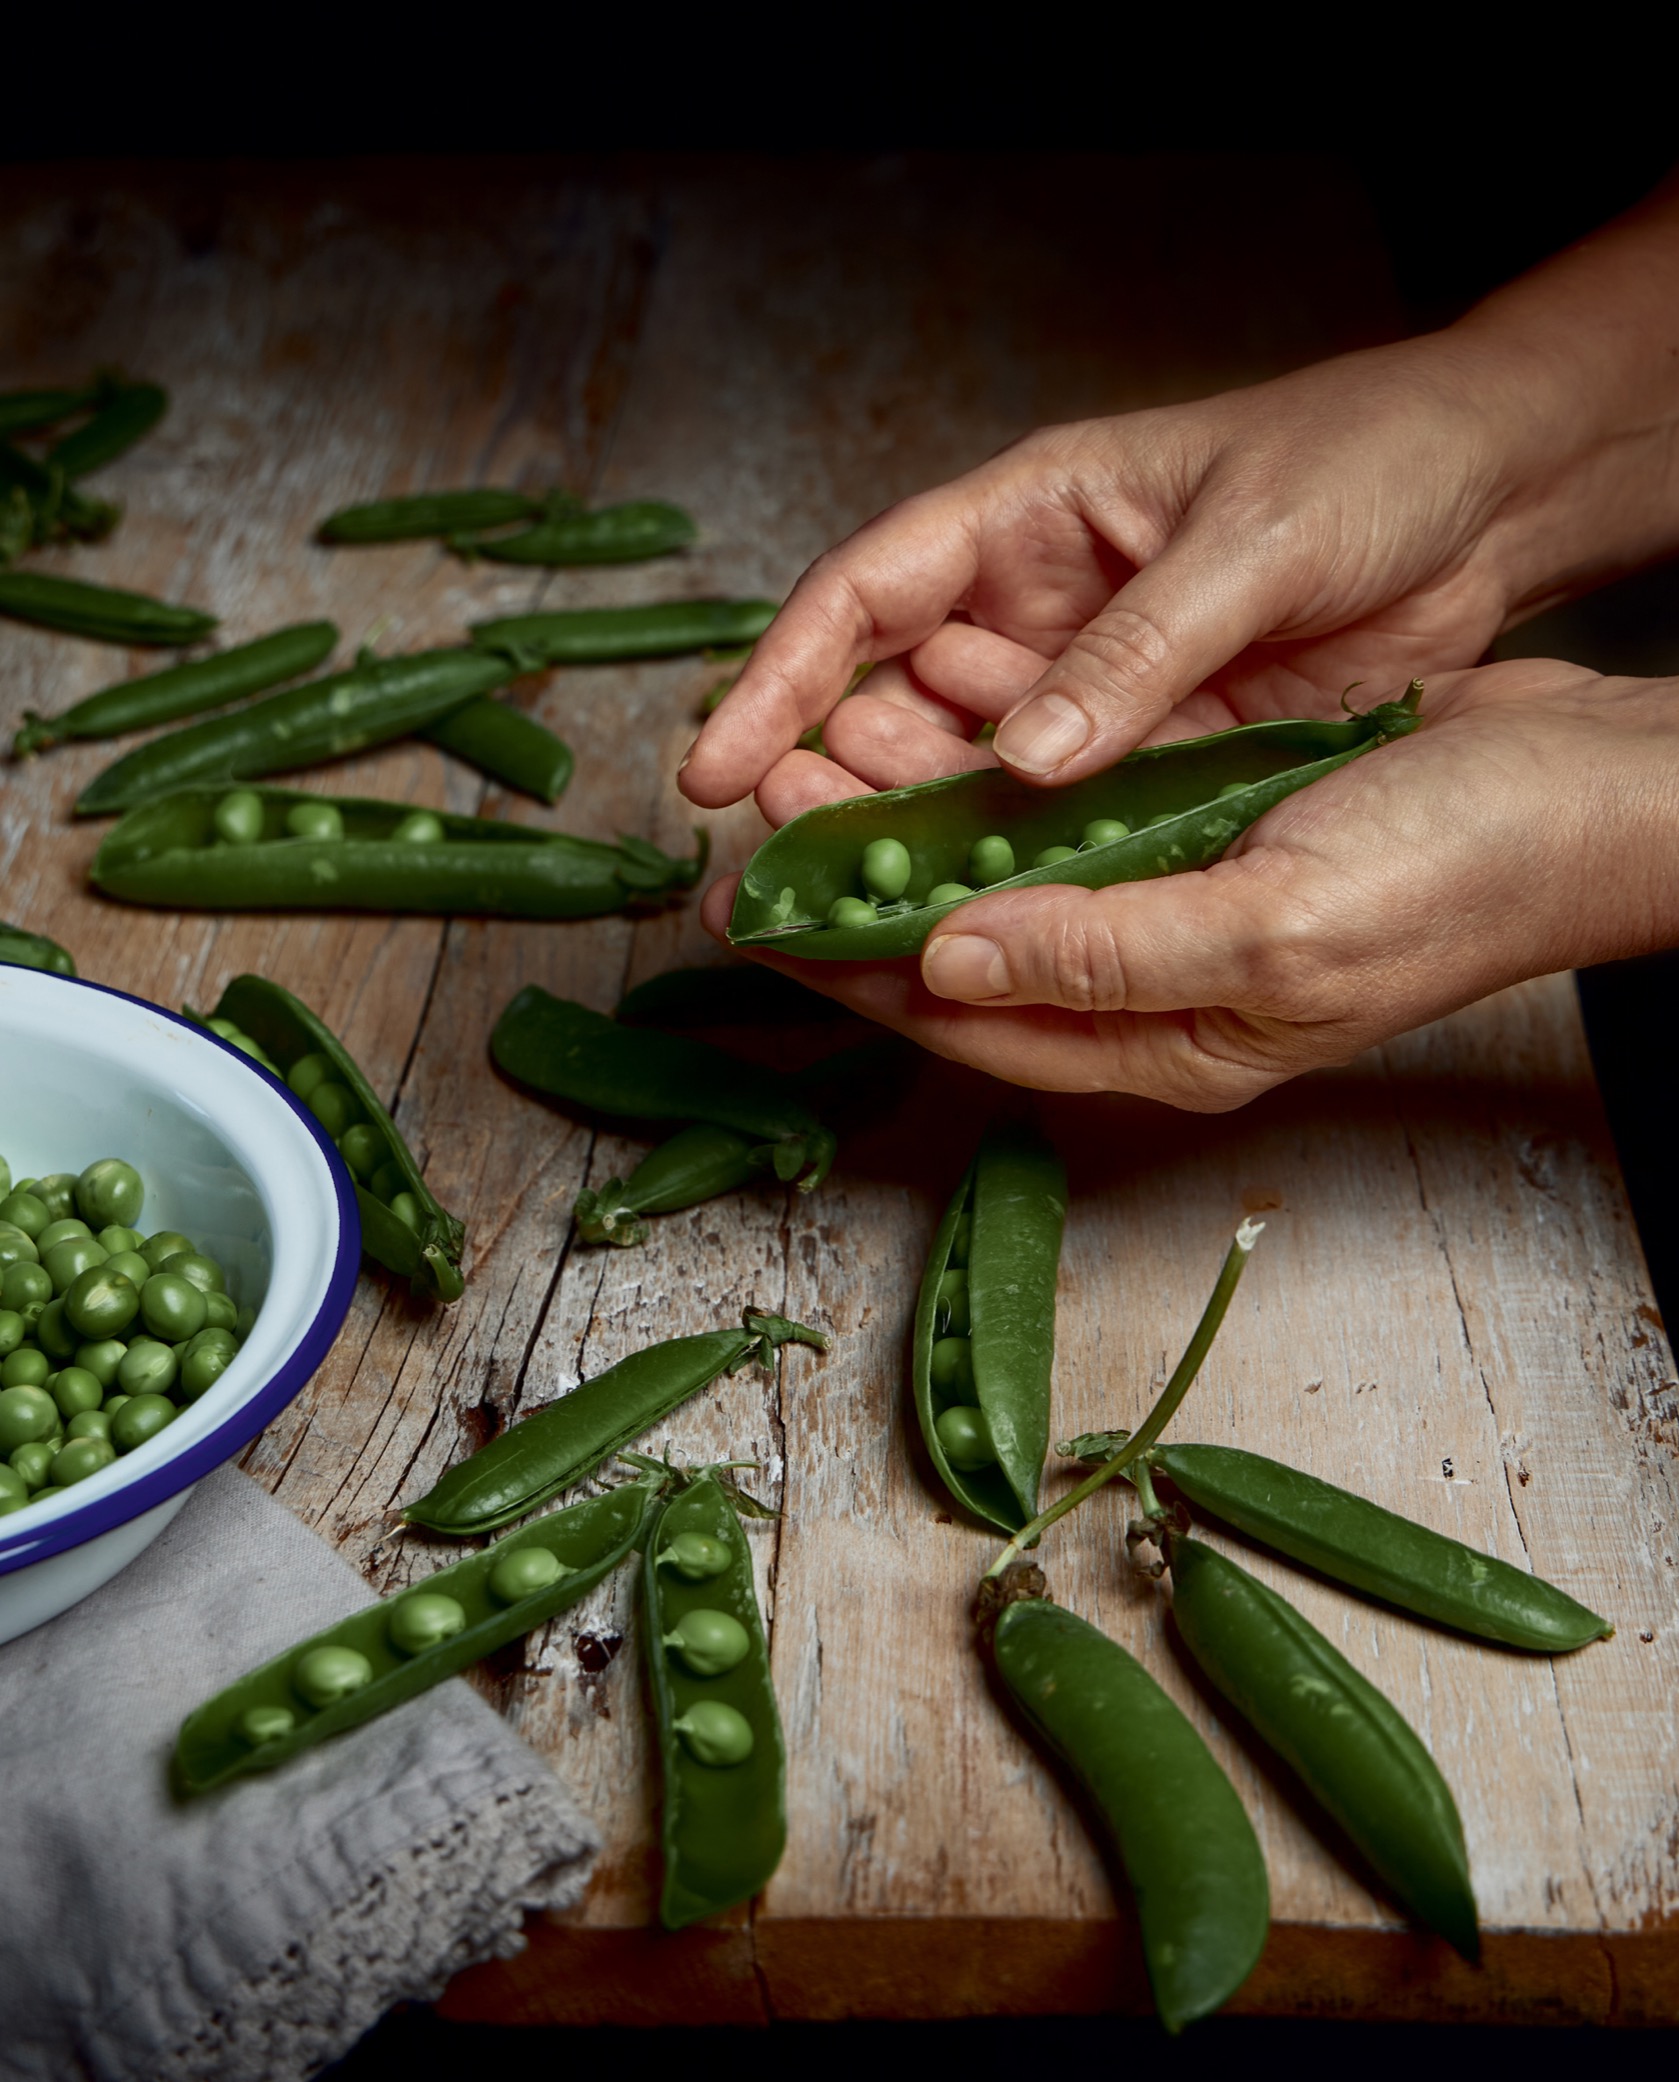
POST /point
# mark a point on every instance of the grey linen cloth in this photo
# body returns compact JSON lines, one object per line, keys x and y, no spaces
{"x":259,"y":1931}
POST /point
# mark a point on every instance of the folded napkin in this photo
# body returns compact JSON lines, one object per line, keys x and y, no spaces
{"x":254,"y":1934}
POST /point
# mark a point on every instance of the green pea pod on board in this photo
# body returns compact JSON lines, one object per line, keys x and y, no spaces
{"x":125,"y":415}
{"x":181,"y":690}
{"x":1378,"y":1552}
{"x":698,"y":1163}
{"x":1183,"y":1836}
{"x":423,"y":514}
{"x":1350,"y":1745}
{"x":425,"y":1248}
{"x":376,"y":700}
{"x":571,"y":1053}
{"x":545,"y":1453}
{"x":305,"y":1695}
{"x":625,"y":534}
{"x":601,"y":635}
{"x":103,"y":612}
{"x":724,"y":1819}
{"x":167,"y":852}
{"x":1181,"y":806}
{"x":984,"y":1339}
{"x":21,"y":949}
{"x":509,"y":746}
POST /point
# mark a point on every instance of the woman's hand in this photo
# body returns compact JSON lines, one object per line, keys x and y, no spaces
{"x":1529,"y":825}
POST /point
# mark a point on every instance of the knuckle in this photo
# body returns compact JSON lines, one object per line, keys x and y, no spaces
{"x":1084,"y":968}
{"x":1123,"y":646}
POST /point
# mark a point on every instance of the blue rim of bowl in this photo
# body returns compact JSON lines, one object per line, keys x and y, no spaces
{"x":105,"y":1513}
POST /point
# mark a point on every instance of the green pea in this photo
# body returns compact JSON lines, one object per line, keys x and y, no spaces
{"x":1104,"y":831}
{"x":24,"y":1283}
{"x":111,"y":1191}
{"x":164,"y":1243}
{"x":407,"y":1210}
{"x":102,"y":1356}
{"x":59,"y":1232}
{"x":965,"y":1437}
{"x":334,"y":1105}
{"x":709,"y":1643}
{"x":523,"y":1571}
{"x":991,"y":860}
{"x":419,"y":828}
{"x":388,"y":1181}
{"x":12,"y":1483}
{"x":715,"y":1734}
{"x":131,"y":1265}
{"x":948,"y":892}
{"x":696,"y":1557}
{"x":953,"y":1301}
{"x":224,"y":1029}
{"x":27,"y":1367}
{"x":422,"y":1619}
{"x":46,"y":1490}
{"x":256,"y":1052}
{"x":147,"y":1368}
{"x":214,"y":1335}
{"x":238,"y":818}
{"x":75,"y":1390}
{"x":99,"y":1302}
{"x":201,"y":1370}
{"x":16,"y":1248}
{"x":79,"y":1459}
{"x":1160,"y":817}
{"x":66,"y":1261}
{"x":9,"y":1503}
{"x":315,"y":820}
{"x":57,"y":1194}
{"x":171,"y":1307}
{"x":309,"y":1071}
{"x":1052,"y":856}
{"x":141,"y":1418}
{"x":113,"y":1403}
{"x":260,"y":1724}
{"x":886,"y":869}
{"x":1232,"y":788}
{"x":88,"y":1424}
{"x":847,"y":911}
{"x":205,"y":1274}
{"x":116,"y":1238}
{"x":11,"y":1331}
{"x":33,"y":1461}
{"x":363,"y":1148}
{"x":27,"y":1414}
{"x":53,"y":1334}
{"x":326,"y":1675}
{"x":221,"y":1311}
{"x":952,"y":1368}
{"x":24,"y":1212}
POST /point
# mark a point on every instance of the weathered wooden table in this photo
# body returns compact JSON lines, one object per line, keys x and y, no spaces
{"x":1449,"y":1309}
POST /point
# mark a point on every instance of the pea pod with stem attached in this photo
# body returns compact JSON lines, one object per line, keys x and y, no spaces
{"x":724,"y":1819}
{"x":571,"y":1053}
{"x":21,"y":949}
{"x":625,"y":534}
{"x":600,"y":635}
{"x":182,"y":690}
{"x":171,"y":852}
{"x":808,"y":890}
{"x":39,"y":505}
{"x":392,"y":1651}
{"x":124,"y":415}
{"x":103,"y":612}
{"x":423,"y":514}
{"x":542,"y":1454}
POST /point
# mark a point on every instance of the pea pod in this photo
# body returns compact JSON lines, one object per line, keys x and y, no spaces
{"x":505,"y":743}
{"x":428,"y":513}
{"x":1183,"y":1836}
{"x":219,"y":1740}
{"x":998,"y":1245}
{"x":1378,"y":1552}
{"x":696,"y":1164}
{"x":1352,"y":1747}
{"x":23,"y":411}
{"x":599,"y":635}
{"x":574,"y":1054}
{"x":165,"y":852}
{"x":104,"y":612}
{"x":542,"y":1454}
{"x":125,"y":415}
{"x":26,"y":950}
{"x":181,"y":690}
{"x":41,"y":506}
{"x":611,"y":535}
{"x":425,"y":1250}
{"x":724,"y":1820}
{"x":376,"y":700}
{"x":1179,"y":806}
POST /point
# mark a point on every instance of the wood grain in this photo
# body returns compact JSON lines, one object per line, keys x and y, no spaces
{"x":1448,"y":1309}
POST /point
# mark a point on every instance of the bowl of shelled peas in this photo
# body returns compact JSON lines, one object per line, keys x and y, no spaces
{"x":178,"y":1248}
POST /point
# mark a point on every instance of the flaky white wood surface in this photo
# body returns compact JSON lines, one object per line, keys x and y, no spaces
{"x":1448,"y":1310}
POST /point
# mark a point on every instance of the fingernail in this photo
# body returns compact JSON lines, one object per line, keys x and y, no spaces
{"x":1043,"y":735}
{"x":683,"y":761}
{"x":963,"y":965}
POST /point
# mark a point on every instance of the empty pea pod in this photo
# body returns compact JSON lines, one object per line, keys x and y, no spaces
{"x":361,"y":1668}
{"x":25,"y":950}
{"x":1195,"y":797}
{"x":1183,"y":1836}
{"x":982,"y":1392}
{"x":165,"y":852}
{"x":1378,"y":1552}
{"x":698,"y":1163}
{"x":509,"y":746}
{"x":104,"y":612}
{"x":624,"y":534}
{"x":536,"y":1458}
{"x":423,"y":514}
{"x":125,"y":414}
{"x":599,"y":635}
{"x":1349,"y":1743}
{"x":724,"y":1819}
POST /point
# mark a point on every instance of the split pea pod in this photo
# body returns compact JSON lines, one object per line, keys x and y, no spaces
{"x":1350,"y":1745}
{"x":506,"y":744}
{"x":375,"y":701}
{"x":422,"y":514}
{"x":182,"y":690}
{"x":1183,"y":1836}
{"x":103,"y":612}
{"x":600,"y":635}
{"x":984,"y":1341}
{"x":1378,"y":1552}
{"x":403,"y":1225}
{"x":392,"y":1651}
{"x":625,"y":534}
{"x":867,"y":879}
{"x":571,"y":1053}
{"x":383,"y":856}
{"x":724,"y":1819}
{"x":20,"y":949}
{"x":125,"y":415}
{"x":536,"y":1458}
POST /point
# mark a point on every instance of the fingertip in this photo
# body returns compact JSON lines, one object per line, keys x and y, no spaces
{"x":717,"y":904}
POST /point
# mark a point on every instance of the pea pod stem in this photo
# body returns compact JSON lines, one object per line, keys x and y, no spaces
{"x":1165,"y":1408}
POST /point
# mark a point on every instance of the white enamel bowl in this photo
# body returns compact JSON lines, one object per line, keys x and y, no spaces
{"x":231,"y":1159}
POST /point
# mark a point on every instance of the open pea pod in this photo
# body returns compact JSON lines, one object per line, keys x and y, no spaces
{"x":390,"y":1652}
{"x":168,"y":852}
{"x":26,"y":950}
{"x":425,"y":1249}
{"x":1182,"y":805}
{"x":984,"y":1341}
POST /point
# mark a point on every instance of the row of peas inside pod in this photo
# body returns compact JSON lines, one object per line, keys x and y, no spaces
{"x":106,"y":1333}
{"x":238,"y":820}
{"x":887,"y":866}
